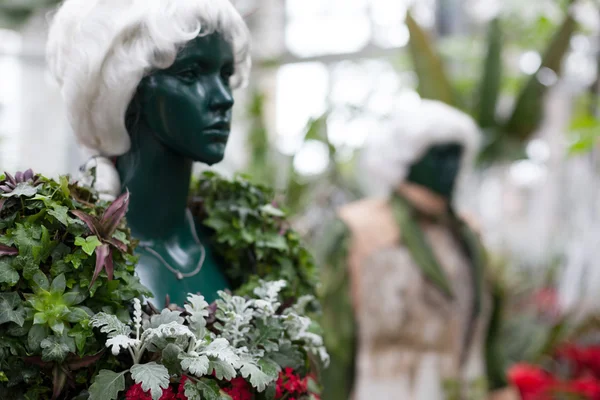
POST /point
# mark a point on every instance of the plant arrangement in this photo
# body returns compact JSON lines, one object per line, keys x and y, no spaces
{"x":64,"y":257}
{"x":240,"y":348}
{"x":68,"y":292}
{"x":252,"y":235}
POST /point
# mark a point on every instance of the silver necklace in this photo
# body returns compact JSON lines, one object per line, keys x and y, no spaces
{"x":181,"y":275}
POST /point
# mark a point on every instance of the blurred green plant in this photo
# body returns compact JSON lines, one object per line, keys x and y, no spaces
{"x":504,"y":137}
{"x":13,"y":13}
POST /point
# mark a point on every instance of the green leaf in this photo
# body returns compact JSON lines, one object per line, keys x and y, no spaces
{"x":76,"y":258}
{"x":166,"y":316}
{"x":170,"y":359}
{"x":433,"y":80}
{"x":196,"y":365}
{"x":77,"y":315}
{"x":54,"y":349}
{"x":64,"y":186}
{"x":11,"y":309}
{"x":60,"y":213}
{"x":107,"y":385}
{"x":88,"y":244}
{"x":492,"y":76}
{"x":275,"y":241}
{"x":74,"y":297}
{"x":270,"y":210}
{"x":23,"y":189}
{"x":41,"y":281}
{"x":8,"y":273}
{"x":33,"y":242}
{"x":528,"y":109}
{"x":266,"y":336}
{"x":260,"y":373}
{"x":36,"y":334}
{"x":222,"y":370}
{"x":110,"y":324}
{"x":59,"y":284}
{"x":152,"y":376}
{"x":58,"y":326}
{"x":122,"y":236}
{"x":197,"y":308}
{"x":204,"y":389}
{"x":80,"y":335}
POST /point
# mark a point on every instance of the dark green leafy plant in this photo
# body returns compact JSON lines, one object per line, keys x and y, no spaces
{"x":64,"y":256}
{"x":252,"y":235}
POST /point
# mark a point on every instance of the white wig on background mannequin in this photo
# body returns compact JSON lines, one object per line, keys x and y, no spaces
{"x":99,"y":51}
{"x":410,"y":133}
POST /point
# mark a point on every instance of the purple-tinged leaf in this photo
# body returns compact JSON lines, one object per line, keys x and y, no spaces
{"x":102,"y":255}
{"x":81,"y":362}
{"x":118,"y":244}
{"x":6,"y":188}
{"x":91,"y":221}
{"x":19,"y":176}
{"x":109,"y":266}
{"x":27,"y":175}
{"x":9,"y":177}
{"x":8,"y":251}
{"x":37,"y":360}
{"x":114,"y":214}
{"x":59,"y":379}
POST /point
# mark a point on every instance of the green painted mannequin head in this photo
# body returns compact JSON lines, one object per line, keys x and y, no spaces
{"x":187,"y":106}
{"x":438,"y":169}
{"x":149,"y":87}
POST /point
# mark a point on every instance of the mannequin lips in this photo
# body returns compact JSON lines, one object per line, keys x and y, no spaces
{"x":218,"y":131}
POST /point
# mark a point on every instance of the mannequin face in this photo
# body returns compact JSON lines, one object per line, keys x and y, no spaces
{"x":188,"y":105}
{"x":438,"y":168}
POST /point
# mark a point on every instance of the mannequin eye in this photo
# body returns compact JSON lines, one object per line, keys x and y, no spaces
{"x":188,"y":74}
{"x":227,"y":72}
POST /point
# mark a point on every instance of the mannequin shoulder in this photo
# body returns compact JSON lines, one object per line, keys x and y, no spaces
{"x":366,"y":213}
{"x":472,"y":221}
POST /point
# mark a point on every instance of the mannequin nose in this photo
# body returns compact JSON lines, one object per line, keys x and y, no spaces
{"x":222,"y":98}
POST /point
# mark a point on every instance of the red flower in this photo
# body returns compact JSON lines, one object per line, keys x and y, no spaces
{"x":181,"y":389}
{"x":239,"y":390}
{"x":532,"y":382}
{"x":583,"y":360}
{"x":587,"y":386}
{"x":290,"y":383}
{"x":135,"y":392}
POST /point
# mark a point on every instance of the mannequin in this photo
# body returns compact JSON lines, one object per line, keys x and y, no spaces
{"x":406,"y":302}
{"x":148,"y":89}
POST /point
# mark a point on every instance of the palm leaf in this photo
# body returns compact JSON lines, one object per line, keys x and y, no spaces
{"x":527,"y":113}
{"x":492,"y":75}
{"x":433,"y":81}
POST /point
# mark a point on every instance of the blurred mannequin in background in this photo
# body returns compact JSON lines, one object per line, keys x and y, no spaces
{"x":407,"y":305}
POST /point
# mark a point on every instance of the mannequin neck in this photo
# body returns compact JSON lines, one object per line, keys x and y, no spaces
{"x":424,"y":199}
{"x":159,"y":181}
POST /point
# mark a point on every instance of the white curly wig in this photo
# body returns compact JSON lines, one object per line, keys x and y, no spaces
{"x":388,"y":156}
{"x":99,"y":51}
